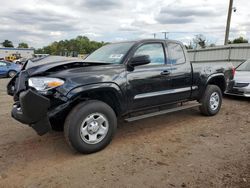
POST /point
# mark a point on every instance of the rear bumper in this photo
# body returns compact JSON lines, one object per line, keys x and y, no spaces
{"x":32,"y":109}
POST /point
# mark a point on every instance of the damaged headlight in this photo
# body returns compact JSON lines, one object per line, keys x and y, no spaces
{"x":44,"y":84}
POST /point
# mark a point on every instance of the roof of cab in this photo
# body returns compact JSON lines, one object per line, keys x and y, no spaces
{"x":149,"y":40}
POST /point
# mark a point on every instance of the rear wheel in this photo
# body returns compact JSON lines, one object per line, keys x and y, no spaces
{"x":11,"y":73}
{"x":90,"y":126}
{"x":211,"y":100}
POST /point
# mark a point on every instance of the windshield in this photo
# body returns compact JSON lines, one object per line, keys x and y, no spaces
{"x":244,"y":66}
{"x":111,"y":53}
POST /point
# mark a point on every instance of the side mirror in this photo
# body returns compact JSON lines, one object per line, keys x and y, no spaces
{"x":139,"y":60}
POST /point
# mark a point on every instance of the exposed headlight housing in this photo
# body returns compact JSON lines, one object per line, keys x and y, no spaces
{"x":43,"y":84}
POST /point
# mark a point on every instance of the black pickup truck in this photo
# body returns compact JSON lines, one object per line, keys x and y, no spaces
{"x":127,"y":80}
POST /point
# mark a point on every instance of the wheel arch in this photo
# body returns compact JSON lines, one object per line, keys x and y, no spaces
{"x":10,"y":70}
{"x":109,"y":93}
{"x":217,"y":79}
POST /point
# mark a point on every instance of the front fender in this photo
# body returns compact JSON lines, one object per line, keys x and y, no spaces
{"x":120,"y":97}
{"x":91,"y":87}
{"x":213,"y":76}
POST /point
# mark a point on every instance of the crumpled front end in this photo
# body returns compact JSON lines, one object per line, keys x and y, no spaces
{"x":32,"y":109}
{"x":40,"y":95}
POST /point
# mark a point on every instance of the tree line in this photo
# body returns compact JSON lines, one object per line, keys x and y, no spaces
{"x":9,"y":44}
{"x":200,"y":41}
{"x":78,"y":45}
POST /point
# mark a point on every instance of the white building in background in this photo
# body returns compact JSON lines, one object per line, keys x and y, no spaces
{"x":24,"y":52}
{"x":233,"y":53}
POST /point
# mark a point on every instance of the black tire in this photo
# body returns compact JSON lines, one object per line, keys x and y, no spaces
{"x":11,"y":73}
{"x":74,"y":122}
{"x":206,"y":108}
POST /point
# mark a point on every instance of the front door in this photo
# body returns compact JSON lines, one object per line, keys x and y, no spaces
{"x":148,"y":84}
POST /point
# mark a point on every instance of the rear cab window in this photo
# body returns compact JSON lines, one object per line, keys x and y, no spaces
{"x":176,"y":54}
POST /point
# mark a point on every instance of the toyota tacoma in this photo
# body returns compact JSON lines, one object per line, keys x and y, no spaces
{"x":126,"y":80}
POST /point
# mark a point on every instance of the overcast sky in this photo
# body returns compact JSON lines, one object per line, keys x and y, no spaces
{"x":40,"y":22}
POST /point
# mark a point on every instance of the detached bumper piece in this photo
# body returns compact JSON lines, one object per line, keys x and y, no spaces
{"x":32,"y":109}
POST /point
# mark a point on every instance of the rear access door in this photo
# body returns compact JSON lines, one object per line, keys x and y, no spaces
{"x":181,"y":72}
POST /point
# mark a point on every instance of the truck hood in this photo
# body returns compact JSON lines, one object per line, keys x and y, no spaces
{"x":89,"y":74}
{"x":75,"y":72}
{"x":40,"y":66}
{"x":65,"y":67}
{"x":78,"y":73}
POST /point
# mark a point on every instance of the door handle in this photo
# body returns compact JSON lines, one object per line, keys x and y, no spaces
{"x":165,"y":72}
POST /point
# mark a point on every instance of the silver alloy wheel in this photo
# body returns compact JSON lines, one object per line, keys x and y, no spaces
{"x":94,"y":128}
{"x":214,"y":100}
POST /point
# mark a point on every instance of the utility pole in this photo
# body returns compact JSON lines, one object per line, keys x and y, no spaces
{"x":228,"y":21}
{"x":165,"y":34}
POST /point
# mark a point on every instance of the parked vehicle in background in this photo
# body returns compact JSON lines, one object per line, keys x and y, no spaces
{"x":129,"y":80}
{"x":8,"y":69}
{"x":240,"y":86}
{"x":20,"y":61}
{"x":40,"y":55}
{"x":13,"y":57}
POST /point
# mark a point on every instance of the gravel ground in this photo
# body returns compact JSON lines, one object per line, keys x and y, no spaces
{"x":183,"y":149}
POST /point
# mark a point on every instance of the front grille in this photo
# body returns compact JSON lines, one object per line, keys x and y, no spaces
{"x":241,"y":84}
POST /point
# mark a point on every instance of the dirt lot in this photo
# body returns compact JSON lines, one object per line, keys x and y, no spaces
{"x":183,"y":149}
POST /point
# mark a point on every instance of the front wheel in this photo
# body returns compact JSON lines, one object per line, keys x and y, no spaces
{"x":90,"y":126}
{"x":211,"y":100}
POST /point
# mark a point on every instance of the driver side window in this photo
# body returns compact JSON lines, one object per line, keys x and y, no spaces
{"x":155,"y":52}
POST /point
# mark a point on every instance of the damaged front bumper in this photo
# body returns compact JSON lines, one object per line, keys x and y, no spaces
{"x":32,"y":109}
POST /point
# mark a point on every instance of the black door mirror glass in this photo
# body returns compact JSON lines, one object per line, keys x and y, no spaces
{"x":139,"y":60}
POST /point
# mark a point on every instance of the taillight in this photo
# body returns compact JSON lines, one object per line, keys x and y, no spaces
{"x":233,"y":71}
